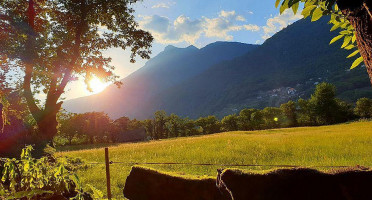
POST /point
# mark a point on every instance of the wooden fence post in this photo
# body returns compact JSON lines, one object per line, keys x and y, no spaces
{"x":108,"y":173}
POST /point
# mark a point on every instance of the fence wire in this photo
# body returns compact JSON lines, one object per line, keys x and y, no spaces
{"x":225,"y":165}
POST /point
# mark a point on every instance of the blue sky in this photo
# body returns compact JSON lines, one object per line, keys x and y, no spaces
{"x":197,"y":22}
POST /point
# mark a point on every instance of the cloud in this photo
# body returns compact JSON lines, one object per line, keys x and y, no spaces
{"x":165,"y":32}
{"x":277,"y":23}
{"x":184,"y":29}
{"x":164,"y":5}
{"x":251,"y":27}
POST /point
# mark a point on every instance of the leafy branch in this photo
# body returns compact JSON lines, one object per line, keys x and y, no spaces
{"x":316,"y":9}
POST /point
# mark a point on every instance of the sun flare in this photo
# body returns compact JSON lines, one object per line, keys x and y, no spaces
{"x":96,"y":85}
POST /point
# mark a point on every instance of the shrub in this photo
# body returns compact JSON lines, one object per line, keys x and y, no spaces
{"x":44,"y":178}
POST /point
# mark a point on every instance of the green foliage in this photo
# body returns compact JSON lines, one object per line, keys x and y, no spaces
{"x":175,"y":126}
{"x":118,"y":127}
{"x":363,"y":108}
{"x":160,"y":120}
{"x":246,"y":122}
{"x":324,"y":104}
{"x":272,"y":117}
{"x":319,"y":8}
{"x":230,"y":123}
{"x":44,"y":178}
{"x":306,"y":116}
{"x":289,"y":110}
{"x":52,"y":42}
{"x":94,"y":126}
{"x":209,"y":125}
{"x":70,"y":36}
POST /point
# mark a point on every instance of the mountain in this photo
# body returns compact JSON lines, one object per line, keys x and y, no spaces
{"x":169,"y":68}
{"x":287,"y":66}
{"x":223,"y":78}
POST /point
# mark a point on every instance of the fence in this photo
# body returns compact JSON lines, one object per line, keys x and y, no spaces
{"x":108,"y":163}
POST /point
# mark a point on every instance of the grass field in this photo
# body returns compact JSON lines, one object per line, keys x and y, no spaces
{"x":345,"y":144}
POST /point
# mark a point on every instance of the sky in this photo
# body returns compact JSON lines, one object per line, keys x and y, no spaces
{"x":196,"y":22}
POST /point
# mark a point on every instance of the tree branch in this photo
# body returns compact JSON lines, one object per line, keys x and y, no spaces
{"x":34,"y":109}
{"x":368,"y":11}
{"x":66,"y":78}
{"x":79,"y":30}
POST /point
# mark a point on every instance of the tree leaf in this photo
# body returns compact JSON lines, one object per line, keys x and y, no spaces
{"x":354,"y":38}
{"x":295,"y":7}
{"x":348,"y":47}
{"x":347,"y":40}
{"x":345,"y":32}
{"x":307,"y":10}
{"x":336,"y":39}
{"x":284,"y":6}
{"x":356,"y":63}
{"x":317,"y":14}
{"x":336,"y":26}
{"x":353,"y":54}
{"x":277,"y":3}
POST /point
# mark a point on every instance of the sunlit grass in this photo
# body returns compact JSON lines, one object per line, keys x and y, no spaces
{"x":346,"y":144}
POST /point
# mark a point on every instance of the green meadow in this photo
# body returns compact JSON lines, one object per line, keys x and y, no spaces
{"x":337,"y":145}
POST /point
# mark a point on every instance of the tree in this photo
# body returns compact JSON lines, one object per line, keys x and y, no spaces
{"x":94,"y":125}
{"x":66,"y":128}
{"x":257,"y":120}
{"x":363,"y":108}
{"x":306,"y":116}
{"x":135,"y":124}
{"x":160,"y":130}
{"x":290,"y":112}
{"x":209,"y":124}
{"x":344,"y":111}
{"x":175,"y":126}
{"x":272,"y":117}
{"x":149,"y":127}
{"x":324,"y":103}
{"x":54,"y":42}
{"x":190,"y":128}
{"x":117,"y":127}
{"x":230,"y":123}
{"x":354,"y":17}
{"x":122,"y":123}
{"x":245,"y":119}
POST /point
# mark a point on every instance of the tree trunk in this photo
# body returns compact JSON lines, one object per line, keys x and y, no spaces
{"x":359,"y":14}
{"x":47,"y":125}
{"x":1,"y":119}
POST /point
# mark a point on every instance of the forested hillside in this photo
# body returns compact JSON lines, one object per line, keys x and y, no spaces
{"x":286,"y":66}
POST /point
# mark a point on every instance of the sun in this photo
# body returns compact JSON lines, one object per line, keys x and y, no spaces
{"x":96,"y":85}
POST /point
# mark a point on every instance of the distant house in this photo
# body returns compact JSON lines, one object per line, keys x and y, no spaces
{"x":135,"y":135}
{"x":291,"y":91}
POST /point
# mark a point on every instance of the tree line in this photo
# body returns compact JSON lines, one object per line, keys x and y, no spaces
{"x":322,"y":108}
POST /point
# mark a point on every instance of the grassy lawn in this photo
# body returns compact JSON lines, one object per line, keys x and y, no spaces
{"x":345,"y":144}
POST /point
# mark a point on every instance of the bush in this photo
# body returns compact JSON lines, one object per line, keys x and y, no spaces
{"x":44,"y":178}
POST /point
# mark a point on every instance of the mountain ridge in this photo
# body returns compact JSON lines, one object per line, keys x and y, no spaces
{"x":168,"y":68}
{"x":221,"y":78}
